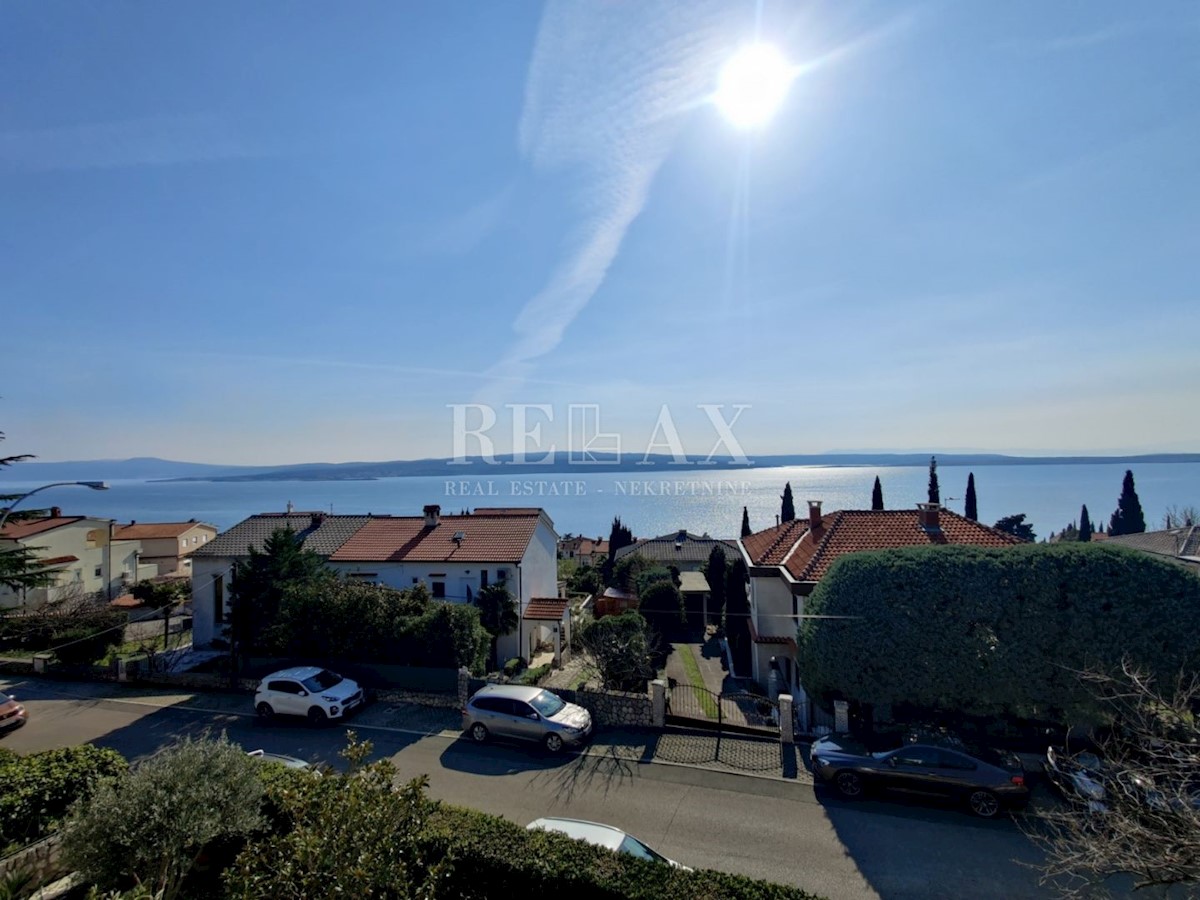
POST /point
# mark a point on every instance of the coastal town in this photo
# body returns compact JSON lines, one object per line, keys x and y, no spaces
{"x":732,"y":656}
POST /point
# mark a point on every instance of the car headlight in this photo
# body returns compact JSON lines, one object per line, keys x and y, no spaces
{"x":571,"y":729}
{"x":329,"y":699}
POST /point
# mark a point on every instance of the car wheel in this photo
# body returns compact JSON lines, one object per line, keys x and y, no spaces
{"x":316,"y":716}
{"x":553,"y":742}
{"x":479,"y":733}
{"x":264,"y":710}
{"x":849,"y":785}
{"x":984,"y":804}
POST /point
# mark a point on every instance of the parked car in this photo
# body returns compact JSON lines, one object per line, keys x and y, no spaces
{"x":1087,"y":779}
{"x":290,"y":762}
{"x":986,"y":780}
{"x":12,"y":713}
{"x":603,"y":836}
{"x":318,"y":694}
{"x":527,"y":714}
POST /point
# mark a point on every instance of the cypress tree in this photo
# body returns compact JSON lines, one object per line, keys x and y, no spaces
{"x":788,"y":512}
{"x":972,"y":507}
{"x":935,"y":493}
{"x":745,"y":522}
{"x":1128,"y":517}
{"x":1085,"y":525}
{"x":877,"y":495}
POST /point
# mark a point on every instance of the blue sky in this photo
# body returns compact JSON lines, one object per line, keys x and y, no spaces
{"x":271,"y":233}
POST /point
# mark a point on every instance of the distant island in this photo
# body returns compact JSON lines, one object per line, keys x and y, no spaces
{"x":152,"y":469}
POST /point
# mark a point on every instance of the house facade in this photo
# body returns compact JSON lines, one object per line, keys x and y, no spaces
{"x":167,"y":546}
{"x":785,"y":563}
{"x":584,"y":550}
{"x":457,"y":555}
{"x":453,"y":556}
{"x":81,"y":553}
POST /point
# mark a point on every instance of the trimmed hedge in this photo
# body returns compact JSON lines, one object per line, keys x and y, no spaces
{"x":486,"y":856}
{"x":38,"y":789}
{"x":995,"y":631}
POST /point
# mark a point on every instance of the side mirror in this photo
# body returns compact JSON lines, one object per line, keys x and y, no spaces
{"x":303,"y":692}
{"x":534,"y":716}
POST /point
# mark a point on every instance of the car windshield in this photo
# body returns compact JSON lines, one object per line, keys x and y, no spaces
{"x":322,"y":681}
{"x":634,"y":847}
{"x":547,"y":704}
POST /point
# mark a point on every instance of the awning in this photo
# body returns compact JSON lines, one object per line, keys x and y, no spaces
{"x":545,"y":609}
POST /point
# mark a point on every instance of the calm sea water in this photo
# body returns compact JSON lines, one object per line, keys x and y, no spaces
{"x":657,"y":503}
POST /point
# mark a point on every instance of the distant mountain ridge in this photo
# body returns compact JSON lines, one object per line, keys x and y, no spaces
{"x":154,"y":469}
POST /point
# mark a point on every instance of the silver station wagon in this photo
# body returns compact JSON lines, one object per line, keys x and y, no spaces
{"x":525,"y":714}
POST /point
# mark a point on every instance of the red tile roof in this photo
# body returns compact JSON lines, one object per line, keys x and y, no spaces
{"x":126,"y":601}
{"x":55,"y":560}
{"x":781,"y":640}
{"x":145,"y":531}
{"x":24,"y":528}
{"x":807,"y":556}
{"x":507,"y":511}
{"x":487,"y":537}
{"x":546,"y":609}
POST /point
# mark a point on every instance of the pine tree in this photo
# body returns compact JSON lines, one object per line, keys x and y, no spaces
{"x":935,"y":493}
{"x":745,"y":522}
{"x":19,"y":568}
{"x":877,"y":495}
{"x":1085,"y":525}
{"x":788,"y":512}
{"x":1128,"y":517}
{"x":972,"y":507}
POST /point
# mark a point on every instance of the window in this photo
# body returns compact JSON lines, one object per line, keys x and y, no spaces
{"x":322,"y":681}
{"x":547,"y":704}
{"x":483,"y":582}
{"x":634,"y":847}
{"x":99,"y":573}
{"x":918,"y":756}
{"x":283,"y":687}
{"x":218,"y":599}
{"x":439,"y":590}
{"x":951,"y":760}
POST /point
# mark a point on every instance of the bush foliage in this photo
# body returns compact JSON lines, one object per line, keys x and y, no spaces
{"x":623,"y":648}
{"x":149,"y":827}
{"x":39,"y":788}
{"x":347,"y":620}
{"x":995,"y":631}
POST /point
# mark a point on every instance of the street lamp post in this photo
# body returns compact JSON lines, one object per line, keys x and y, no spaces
{"x":94,"y":485}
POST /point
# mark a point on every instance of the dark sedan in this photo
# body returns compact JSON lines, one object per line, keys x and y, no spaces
{"x":987,"y":781}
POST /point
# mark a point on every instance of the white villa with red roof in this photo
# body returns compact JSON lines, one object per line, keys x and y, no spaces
{"x":786,"y":562}
{"x":453,"y":555}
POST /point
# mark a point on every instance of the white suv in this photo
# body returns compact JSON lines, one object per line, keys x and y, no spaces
{"x":307,"y":691}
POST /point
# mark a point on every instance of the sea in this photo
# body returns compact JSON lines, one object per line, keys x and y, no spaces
{"x":655,"y":502}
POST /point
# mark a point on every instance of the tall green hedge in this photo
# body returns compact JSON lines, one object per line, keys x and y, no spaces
{"x":995,"y":631}
{"x":36,"y":790}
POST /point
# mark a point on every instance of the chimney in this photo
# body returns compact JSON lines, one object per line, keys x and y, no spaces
{"x":928,"y":514}
{"x":56,"y":512}
{"x":432,"y":514}
{"x":814,"y":515}
{"x":290,"y":508}
{"x":318,"y":518}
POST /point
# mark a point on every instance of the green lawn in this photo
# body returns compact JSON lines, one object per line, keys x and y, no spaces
{"x":688,"y":658}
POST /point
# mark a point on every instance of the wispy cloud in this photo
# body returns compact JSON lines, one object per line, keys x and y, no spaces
{"x":159,"y":141}
{"x":1077,"y":41}
{"x":466,"y":230}
{"x":604,"y":99}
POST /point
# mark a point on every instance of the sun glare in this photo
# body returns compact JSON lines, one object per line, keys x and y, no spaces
{"x":752,"y":85}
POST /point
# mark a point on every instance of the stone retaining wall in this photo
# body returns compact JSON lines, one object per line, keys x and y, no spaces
{"x":614,"y":708}
{"x":40,"y":861}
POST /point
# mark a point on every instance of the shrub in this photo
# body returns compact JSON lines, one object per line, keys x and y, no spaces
{"x":85,"y":645}
{"x":482,"y":856}
{"x":995,"y":631}
{"x":533,"y":676}
{"x":623,"y":650}
{"x":352,"y":835}
{"x":150,"y":826}
{"x":38,"y":789}
{"x":513,"y":666}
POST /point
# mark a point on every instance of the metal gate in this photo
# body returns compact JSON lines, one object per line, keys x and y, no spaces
{"x":734,"y":711}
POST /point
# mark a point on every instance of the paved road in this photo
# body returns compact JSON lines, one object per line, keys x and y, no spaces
{"x":754,"y":826}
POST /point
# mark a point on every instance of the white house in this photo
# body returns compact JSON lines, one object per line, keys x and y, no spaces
{"x":79,"y":550}
{"x":454,"y":556}
{"x":785,"y":563}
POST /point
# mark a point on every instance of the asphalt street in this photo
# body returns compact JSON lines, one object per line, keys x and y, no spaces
{"x":761,"y":827}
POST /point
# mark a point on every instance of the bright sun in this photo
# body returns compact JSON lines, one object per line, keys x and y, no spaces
{"x":752,"y":85}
